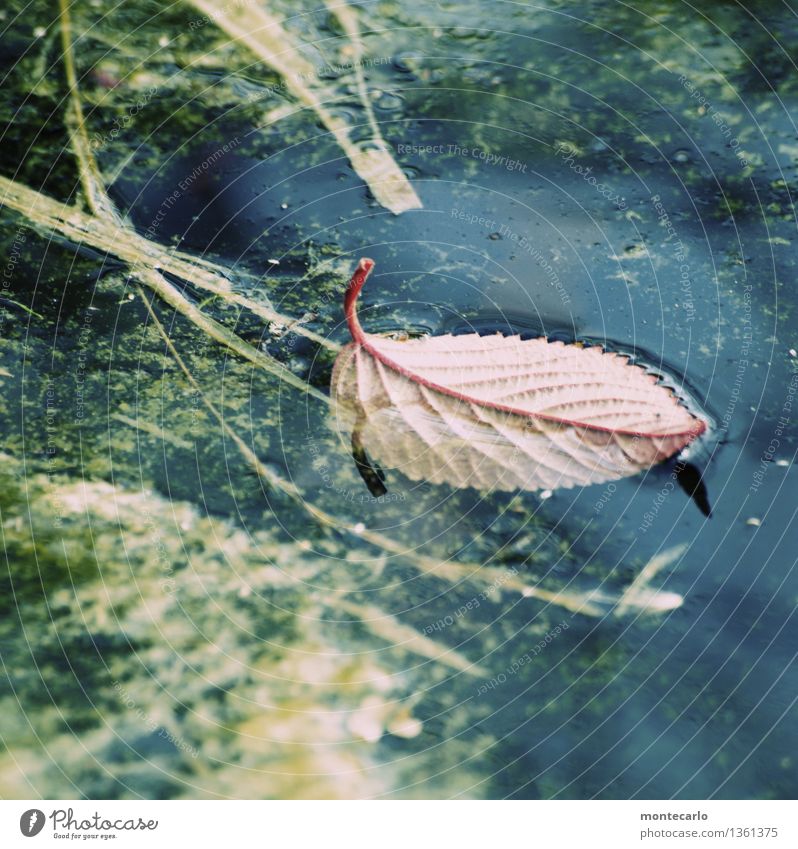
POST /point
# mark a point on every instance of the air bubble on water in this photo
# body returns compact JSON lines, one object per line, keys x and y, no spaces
{"x":345,"y":115}
{"x":463,"y":32}
{"x":386,"y":101}
{"x":373,"y":144}
{"x":406,"y":62}
{"x":634,"y":250}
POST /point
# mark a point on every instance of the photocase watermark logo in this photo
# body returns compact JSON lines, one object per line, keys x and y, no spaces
{"x":31,"y":822}
{"x":65,"y":824}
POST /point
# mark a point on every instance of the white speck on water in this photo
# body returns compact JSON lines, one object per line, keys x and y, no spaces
{"x":40,"y":32}
{"x":754,"y":522}
{"x":163,"y":41}
{"x":792,"y":352}
{"x":547,"y":493}
{"x":283,"y":206}
{"x":782,"y":462}
{"x":273,"y":261}
{"x":358,"y":528}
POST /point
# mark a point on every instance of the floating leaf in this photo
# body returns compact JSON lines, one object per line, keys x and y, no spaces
{"x":498,"y":412}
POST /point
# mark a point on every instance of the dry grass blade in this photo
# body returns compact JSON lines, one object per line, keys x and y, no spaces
{"x":403,"y":636}
{"x":347,"y":18}
{"x":161,"y":286}
{"x":266,"y":37}
{"x":149,"y":272}
{"x":639,"y":595}
{"x":153,"y":430}
{"x":121,"y":241}
{"x":106,"y":230}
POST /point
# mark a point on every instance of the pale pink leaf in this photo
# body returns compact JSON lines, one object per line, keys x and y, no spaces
{"x":498,"y":412}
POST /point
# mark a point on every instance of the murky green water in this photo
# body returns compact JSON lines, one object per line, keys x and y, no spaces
{"x":173,"y":626}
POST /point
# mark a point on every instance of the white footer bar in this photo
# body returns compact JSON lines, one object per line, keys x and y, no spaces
{"x":401,"y":824}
